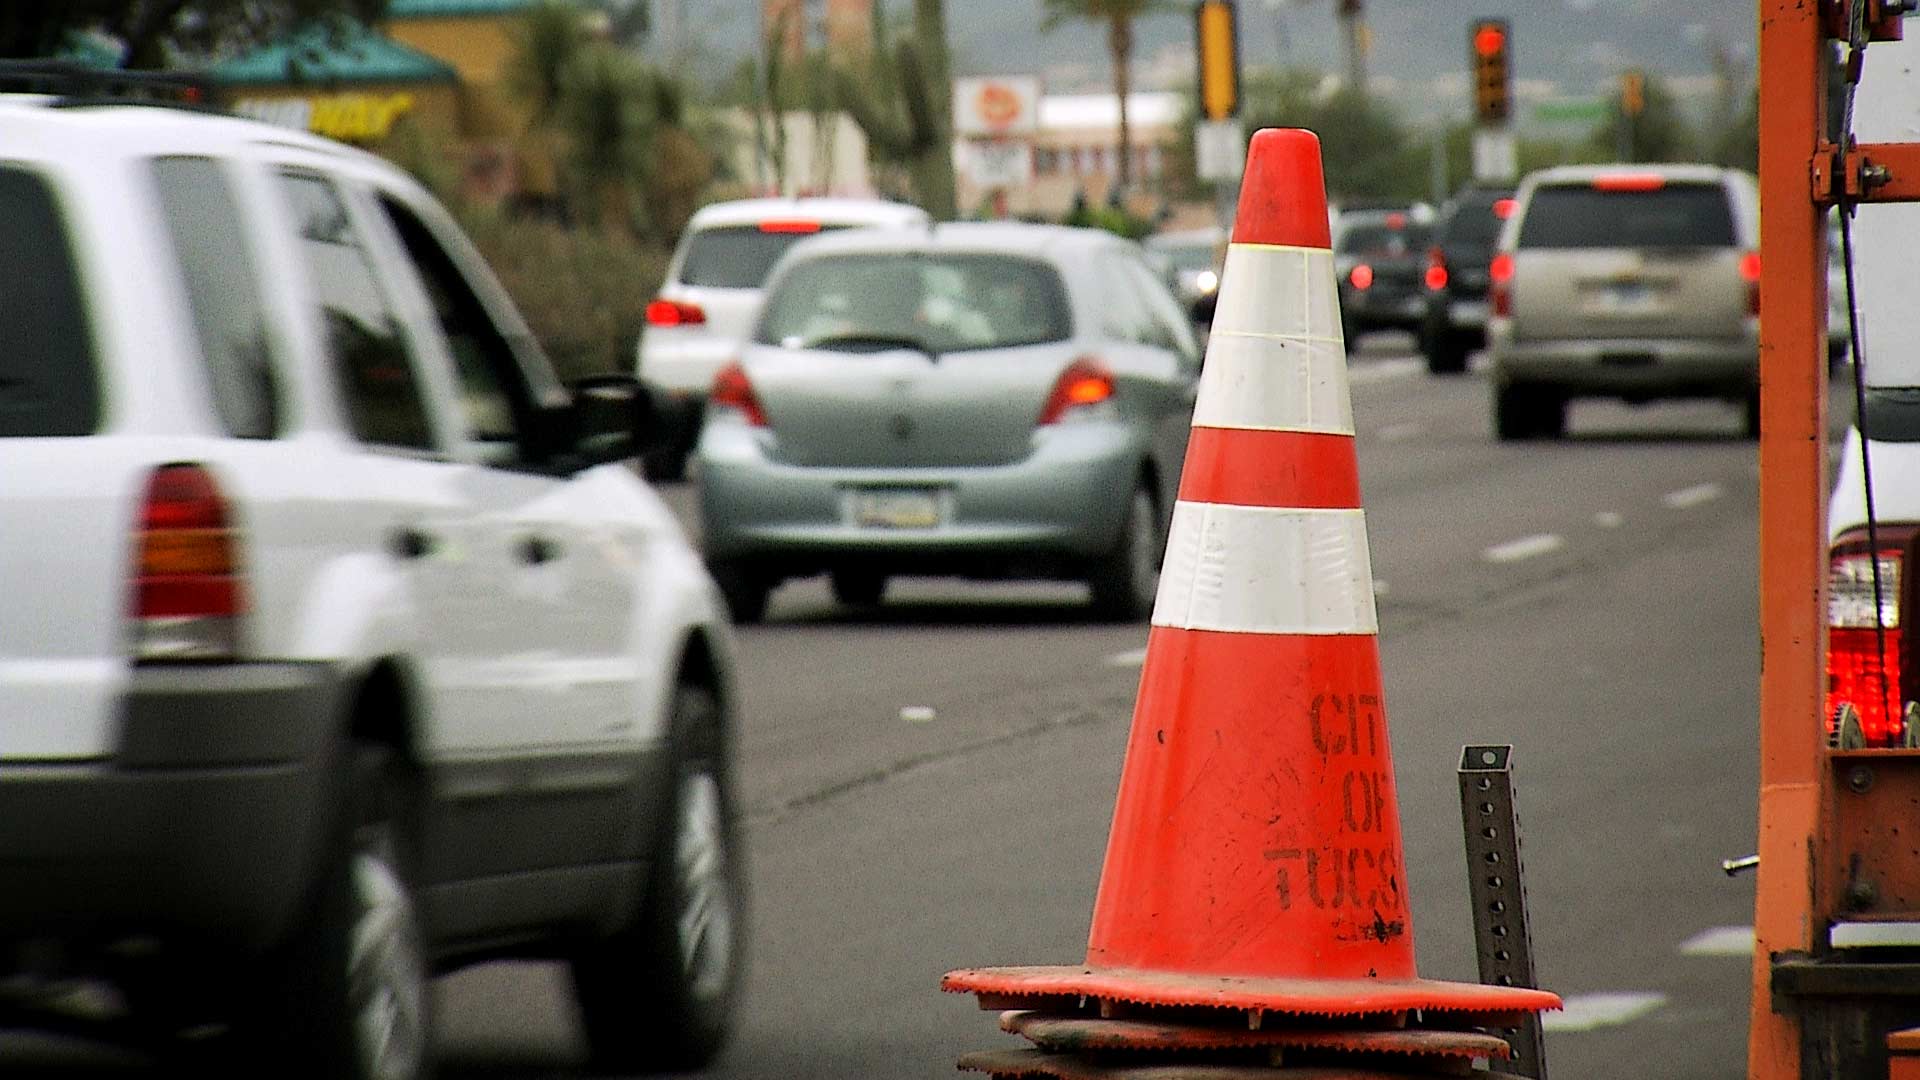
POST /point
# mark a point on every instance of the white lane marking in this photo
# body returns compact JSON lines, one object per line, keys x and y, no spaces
{"x":917,"y":714}
{"x":1720,"y":941}
{"x":1379,"y":588}
{"x":1607,"y":519}
{"x":1402,"y":432}
{"x":1373,"y":371}
{"x":1130,"y":658}
{"x":1688,"y":497}
{"x":1524,"y":548}
{"x":1588,"y":1012}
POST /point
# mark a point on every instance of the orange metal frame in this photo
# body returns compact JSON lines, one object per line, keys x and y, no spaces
{"x":1800,"y":175}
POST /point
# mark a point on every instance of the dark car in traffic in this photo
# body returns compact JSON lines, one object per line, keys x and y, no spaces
{"x":1380,"y":257}
{"x":1456,"y":276}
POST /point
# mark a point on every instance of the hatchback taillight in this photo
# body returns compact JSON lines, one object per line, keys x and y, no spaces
{"x":1861,"y":673}
{"x":188,"y":594}
{"x":665,"y":312}
{"x":1085,"y":384}
{"x":1500,"y":275}
{"x":733,"y":390}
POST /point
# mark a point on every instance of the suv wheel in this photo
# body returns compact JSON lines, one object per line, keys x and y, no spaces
{"x":659,"y":994}
{"x":350,"y":998}
{"x":1528,"y":412}
{"x":1446,"y":353}
{"x":745,"y":591}
{"x":1125,"y":581}
{"x":859,"y":588}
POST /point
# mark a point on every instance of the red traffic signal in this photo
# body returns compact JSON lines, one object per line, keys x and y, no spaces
{"x":1489,"y":39}
{"x":1491,"y":46}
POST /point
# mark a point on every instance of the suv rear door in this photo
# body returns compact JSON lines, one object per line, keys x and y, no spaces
{"x":1629,"y":256}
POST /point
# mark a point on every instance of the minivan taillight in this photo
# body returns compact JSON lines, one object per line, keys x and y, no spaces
{"x":1857,"y":675}
{"x":733,"y":390}
{"x":1500,"y":276}
{"x":1084,"y":384}
{"x":665,"y":312}
{"x":188,"y":594}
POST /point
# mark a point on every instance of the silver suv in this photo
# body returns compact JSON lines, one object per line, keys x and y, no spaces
{"x":1637,"y":282}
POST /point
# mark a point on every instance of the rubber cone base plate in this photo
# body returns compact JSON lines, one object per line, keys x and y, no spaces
{"x":1093,"y":1035}
{"x":1018,"y":1064}
{"x":1010,"y":987}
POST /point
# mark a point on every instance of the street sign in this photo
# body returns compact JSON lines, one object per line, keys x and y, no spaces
{"x":1218,"y":49}
{"x":1490,"y":51}
{"x":1219,"y":149}
{"x":1495,"y":157}
{"x":997,"y":163}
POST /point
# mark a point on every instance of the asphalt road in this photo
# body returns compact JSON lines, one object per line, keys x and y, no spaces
{"x":1592,"y":602}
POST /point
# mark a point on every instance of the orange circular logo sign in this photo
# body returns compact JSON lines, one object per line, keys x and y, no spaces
{"x":999,"y":105}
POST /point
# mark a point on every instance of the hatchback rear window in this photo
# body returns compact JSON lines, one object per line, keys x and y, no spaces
{"x":936,"y":302}
{"x":739,"y":256}
{"x":49,"y":382}
{"x":1670,"y":216}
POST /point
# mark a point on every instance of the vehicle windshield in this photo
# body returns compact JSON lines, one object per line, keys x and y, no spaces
{"x":1370,"y":239}
{"x":1670,"y":216}
{"x":738,"y":256}
{"x":937,"y":302}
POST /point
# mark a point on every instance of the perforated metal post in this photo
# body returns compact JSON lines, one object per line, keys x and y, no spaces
{"x":1494,"y":882}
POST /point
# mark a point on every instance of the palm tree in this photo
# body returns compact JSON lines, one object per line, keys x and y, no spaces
{"x":1118,"y":15}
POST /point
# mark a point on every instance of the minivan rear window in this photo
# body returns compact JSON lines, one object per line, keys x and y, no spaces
{"x":1670,"y":216}
{"x":739,"y":256}
{"x":49,"y":381}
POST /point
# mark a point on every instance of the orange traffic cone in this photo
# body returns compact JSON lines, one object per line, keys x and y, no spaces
{"x":1255,"y":860}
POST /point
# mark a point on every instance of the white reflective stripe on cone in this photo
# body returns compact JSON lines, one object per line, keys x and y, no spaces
{"x":1274,"y":384}
{"x":1280,"y":291}
{"x":1266,"y":570}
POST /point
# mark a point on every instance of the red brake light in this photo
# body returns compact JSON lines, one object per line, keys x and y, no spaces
{"x":1361,"y":276}
{"x":1085,"y":382}
{"x":733,"y":390}
{"x":1503,"y":208}
{"x":1436,"y":270}
{"x":1629,"y":182}
{"x":665,"y":312}
{"x":789,"y":226}
{"x":1396,"y":221}
{"x":187,"y":588}
{"x":1750,"y":273}
{"x":1500,"y":273}
{"x":1854,"y":669}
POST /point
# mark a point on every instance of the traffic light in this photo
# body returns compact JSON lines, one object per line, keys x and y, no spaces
{"x":1219,"y":52}
{"x":1633,"y":92}
{"x":1491,"y":43}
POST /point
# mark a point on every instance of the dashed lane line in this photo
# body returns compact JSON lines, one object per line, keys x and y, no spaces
{"x":1590,"y":1012}
{"x":1689,"y":497}
{"x":1609,"y":519}
{"x":1130,"y":658}
{"x":1373,"y":371}
{"x":1526,"y":547}
{"x":1720,"y":941}
{"x":1402,"y":432}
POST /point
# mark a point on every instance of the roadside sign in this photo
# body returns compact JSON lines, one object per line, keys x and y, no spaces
{"x":1005,"y":105}
{"x":1217,"y":35}
{"x":1219,"y":149}
{"x":1495,"y":155}
{"x":997,"y":163}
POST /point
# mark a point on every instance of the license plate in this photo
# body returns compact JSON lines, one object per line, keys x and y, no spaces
{"x":896,"y":509}
{"x":1629,"y":298}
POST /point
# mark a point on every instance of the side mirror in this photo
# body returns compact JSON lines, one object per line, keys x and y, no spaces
{"x":613,"y":418}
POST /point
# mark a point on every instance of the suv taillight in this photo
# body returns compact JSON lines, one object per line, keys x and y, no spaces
{"x":1750,"y":273}
{"x":1436,"y":270}
{"x":188,"y":595}
{"x":1500,"y":277}
{"x":1084,"y":384}
{"x":733,"y":390}
{"x":1856,"y":675}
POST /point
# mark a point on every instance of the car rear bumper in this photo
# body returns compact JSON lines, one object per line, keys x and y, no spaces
{"x":683,"y":365}
{"x":1629,"y":366}
{"x":207,"y":825}
{"x":1038,"y":517}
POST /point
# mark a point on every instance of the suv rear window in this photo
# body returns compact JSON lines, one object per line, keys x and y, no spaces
{"x":939,"y":302}
{"x":739,"y":256}
{"x":1671,"y":216}
{"x":1473,"y":221}
{"x":49,"y":384}
{"x":1358,"y":239}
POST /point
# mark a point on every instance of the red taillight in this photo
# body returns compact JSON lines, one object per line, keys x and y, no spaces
{"x":1361,"y":276}
{"x":1750,"y":273}
{"x":674,"y":313}
{"x":187,"y":589}
{"x":1436,"y":270}
{"x":1629,"y":182}
{"x":1503,"y":208}
{"x":1396,"y":221}
{"x":1500,"y":274}
{"x":1085,"y":382}
{"x":1856,"y":675}
{"x":733,"y":390}
{"x":790,"y":226}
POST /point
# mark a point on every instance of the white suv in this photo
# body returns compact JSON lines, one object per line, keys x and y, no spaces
{"x":706,"y":307}
{"x":340,"y":647}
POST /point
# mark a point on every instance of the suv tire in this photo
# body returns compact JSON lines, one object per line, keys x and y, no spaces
{"x":745,"y":591}
{"x":1125,"y":581}
{"x":1446,"y":353}
{"x":1522,"y":411}
{"x":859,"y":588}
{"x":349,"y":998}
{"x":658,"y":995}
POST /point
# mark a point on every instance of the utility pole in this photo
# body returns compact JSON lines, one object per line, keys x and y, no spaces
{"x":1353,"y":27}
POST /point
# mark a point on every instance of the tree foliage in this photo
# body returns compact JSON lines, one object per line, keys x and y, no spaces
{"x":1659,"y":133}
{"x":152,"y":32}
{"x":1118,"y":17}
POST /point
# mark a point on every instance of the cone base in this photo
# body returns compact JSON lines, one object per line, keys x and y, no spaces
{"x":1035,"y":1063}
{"x":1090,"y":1035}
{"x":1319,"y":997}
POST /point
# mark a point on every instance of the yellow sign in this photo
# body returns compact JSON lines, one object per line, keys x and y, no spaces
{"x":1219,"y":60}
{"x":347,"y":117}
{"x":1633,"y":92}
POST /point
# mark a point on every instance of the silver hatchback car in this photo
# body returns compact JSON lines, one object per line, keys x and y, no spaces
{"x":974,"y":400}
